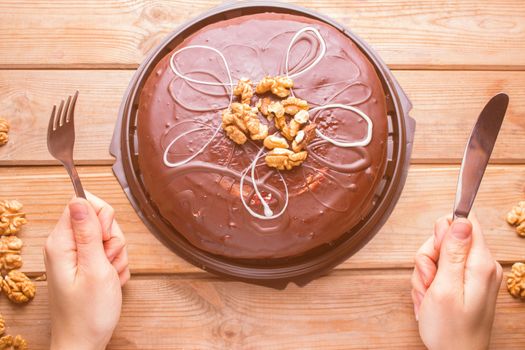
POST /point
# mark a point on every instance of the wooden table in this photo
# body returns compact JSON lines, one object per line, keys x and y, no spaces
{"x":450,"y":56}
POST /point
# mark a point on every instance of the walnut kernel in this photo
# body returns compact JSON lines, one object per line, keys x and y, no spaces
{"x":279,"y":86}
{"x":290,"y":131}
{"x":516,"y":281}
{"x":282,"y":158}
{"x":262,"y":106}
{"x":13,"y":343}
{"x":4,"y":130}
{"x":273,"y":141}
{"x":11,"y":217}
{"x":304,"y":137}
{"x":2,"y":325}
{"x":241,"y":121}
{"x":11,"y":207}
{"x":20,"y":343}
{"x":292,"y":105}
{"x":244,"y":90}
{"x":10,"y":249}
{"x":18,"y":287}
{"x":516,"y":217}
{"x":301,"y":117}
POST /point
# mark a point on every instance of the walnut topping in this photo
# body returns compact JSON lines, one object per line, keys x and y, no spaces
{"x":18,"y":287}
{"x":290,"y":130}
{"x":244,"y":91}
{"x":292,"y":105}
{"x":240,"y":121}
{"x":2,"y":325}
{"x":516,"y":281}
{"x":11,"y":217}
{"x":10,"y":249}
{"x":282,"y":158}
{"x":304,"y":137}
{"x":262,"y":106}
{"x":273,"y":141}
{"x":275,"y":110}
{"x":516,"y":217}
{"x":4,"y":129}
{"x":279,"y":86}
{"x":301,"y":117}
{"x":13,"y":343}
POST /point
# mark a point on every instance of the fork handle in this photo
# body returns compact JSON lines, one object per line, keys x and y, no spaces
{"x":75,"y":179}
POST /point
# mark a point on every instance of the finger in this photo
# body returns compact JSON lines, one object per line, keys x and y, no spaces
{"x":62,"y":234}
{"x":426,"y":262}
{"x":454,"y":251}
{"x":105,"y":213}
{"x":440,"y":229}
{"x":418,"y":290}
{"x":60,"y":246}
{"x":483,"y":273}
{"x":417,"y":299}
{"x":87,"y":233}
{"x":120,"y":263}
{"x":124,"y":277}
{"x":116,"y":242}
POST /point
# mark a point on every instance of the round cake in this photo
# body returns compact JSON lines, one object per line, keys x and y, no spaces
{"x":263,"y":136}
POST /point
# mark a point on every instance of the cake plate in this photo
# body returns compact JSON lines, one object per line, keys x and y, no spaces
{"x":275,"y":273}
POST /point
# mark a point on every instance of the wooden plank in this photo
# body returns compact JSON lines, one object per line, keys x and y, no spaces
{"x":429,"y":193}
{"x":339,"y":311}
{"x":431,"y":34}
{"x":443,"y":109}
{"x":27,"y":98}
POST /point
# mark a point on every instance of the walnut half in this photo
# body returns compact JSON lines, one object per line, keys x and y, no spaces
{"x":279,"y":86}
{"x":11,"y":217}
{"x":10,"y":249}
{"x":516,"y":217}
{"x":244,"y":91}
{"x":241,"y":121}
{"x":4,"y":129}
{"x":18,"y":287}
{"x":282,"y":158}
{"x":273,"y":141}
{"x":292,"y":105}
{"x":13,"y":343}
{"x":304,"y":137}
{"x":516,"y":281}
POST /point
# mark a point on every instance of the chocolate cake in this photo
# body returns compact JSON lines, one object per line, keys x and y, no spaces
{"x":235,"y":175}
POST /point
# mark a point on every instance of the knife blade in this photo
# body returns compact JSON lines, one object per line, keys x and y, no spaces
{"x":477,"y":153}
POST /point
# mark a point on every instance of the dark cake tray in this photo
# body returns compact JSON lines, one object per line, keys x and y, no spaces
{"x":275,"y":273}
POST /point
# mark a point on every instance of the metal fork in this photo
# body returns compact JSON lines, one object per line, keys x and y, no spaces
{"x":61,"y":139}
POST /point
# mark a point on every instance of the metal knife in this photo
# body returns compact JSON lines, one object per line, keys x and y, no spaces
{"x":477,"y":153}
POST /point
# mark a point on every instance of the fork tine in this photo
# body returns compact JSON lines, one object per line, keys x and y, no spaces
{"x":51,"y":125}
{"x":63,"y":116}
{"x":59,"y":113}
{"x":70,"y":113}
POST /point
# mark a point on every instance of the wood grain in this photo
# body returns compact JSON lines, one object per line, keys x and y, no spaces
{"x":339,"y":311}
{"x":119,"y":33}
{"x":429,"y":194}
{"x":446,"y":105}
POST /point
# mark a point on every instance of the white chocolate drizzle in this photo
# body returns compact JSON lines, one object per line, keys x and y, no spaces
{"x":345,"y":144}
{"x":268,"y":212}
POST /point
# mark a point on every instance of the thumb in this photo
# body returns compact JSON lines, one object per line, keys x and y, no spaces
{"x":87,"y":232}
{"x":453,"y":255}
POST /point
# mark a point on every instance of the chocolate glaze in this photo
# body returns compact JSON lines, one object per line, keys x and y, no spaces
{"x":201,"y":199}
